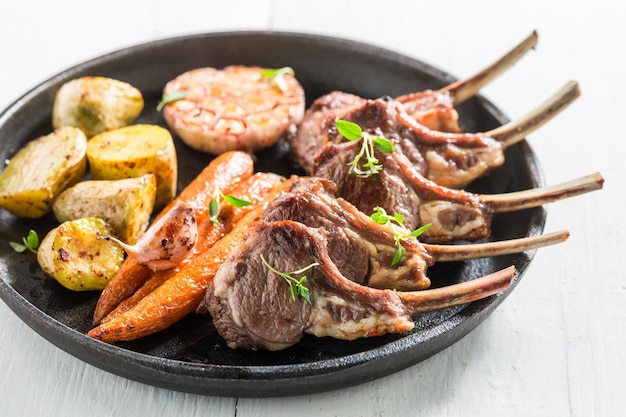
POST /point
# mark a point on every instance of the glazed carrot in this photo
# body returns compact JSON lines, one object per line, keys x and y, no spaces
{"x":182,"y":293}
{"x":253,"y":189}
{"x":223,"y":172}
{"x":155,"y":280}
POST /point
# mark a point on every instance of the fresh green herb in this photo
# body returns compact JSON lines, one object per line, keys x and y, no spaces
{"x":214,"y":205}
{"x":171,"y":97}
{"x":277,"y":76}
{"x":214,"y":208}
{"x":380,"y":216}
{"x":296,"y":285}
{"x":349,"y":130}
{"x":30,"y":242}
{"x":372,"y":166}
{"x":235,"y":201}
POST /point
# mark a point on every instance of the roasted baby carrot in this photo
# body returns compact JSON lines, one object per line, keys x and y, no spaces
{"x":253,"y":189}
{"x":224,"y":172}
{"x":182,"y":293}
{"x":156,"y":279}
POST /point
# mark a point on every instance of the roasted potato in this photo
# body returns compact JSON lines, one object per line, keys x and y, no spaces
{"x":133,"y":151}
{"x":96,"y":104}
{"x":41,"y":170}
{"x":79,"y":254}
{"x":126,"y":205}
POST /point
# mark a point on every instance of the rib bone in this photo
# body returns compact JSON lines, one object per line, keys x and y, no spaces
{"x":435,"y":108}
{"x":521,"y":200}
{"x":513,"y":132}
{"x":461,"y":90}
{"x":448,"y":253}
{"x":464,"y":89}
{"x":465,"y":292}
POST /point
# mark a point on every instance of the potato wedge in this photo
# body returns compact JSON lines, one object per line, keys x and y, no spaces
{"x":79,"y":255}
{"x":133,"y":151}
{"x":126,"y":205}
{"x":96,"y":104}
{"x":41,"y":170}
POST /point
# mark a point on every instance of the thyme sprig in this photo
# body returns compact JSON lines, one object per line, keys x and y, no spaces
{"x":380,"y":216}
{"x":214,"y":205}
{"x":296,"y":285}
{"x":372,"y":166}
{"x":172,"y":97}
{"x":30,"y":242}
{"x":277,"y":76}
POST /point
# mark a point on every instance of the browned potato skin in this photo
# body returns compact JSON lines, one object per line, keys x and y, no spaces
{"x":41,"y":170}
{"x":79,"y":255}
{"x":133,"y":151}
{"x":96,"y":104}
{"x":126,"y":205}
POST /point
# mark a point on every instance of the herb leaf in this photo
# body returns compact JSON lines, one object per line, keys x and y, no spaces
{"x":296,"y":286}
{"x":420,"y":231}
{"x":276,"y":76}
{"x":236,"y":201}
{"x":398,"y":255}
{"x":214,"y":205}
{"x":171,"y":97}
{"x":381,"y":217}
{"x":352,"y":131}
{"x":349,"y":130}
{"x":30,"y":242}
{"x":304,"y":291}
{"x":272,"y":73}
{"x":383,"y":145}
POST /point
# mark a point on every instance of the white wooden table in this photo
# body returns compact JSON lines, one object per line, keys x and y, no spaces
{"x":555,"y":347}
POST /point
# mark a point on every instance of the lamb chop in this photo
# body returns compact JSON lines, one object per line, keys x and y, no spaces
{"x":254,"y":308}
{"x":364,"y":250}
{"x":449,"y":159}
{"x":435,"y":109}
{"x":164,"y":303}
{"x":454,"y":214}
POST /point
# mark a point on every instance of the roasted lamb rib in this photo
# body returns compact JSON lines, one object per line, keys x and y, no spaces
{"x":363,"y":250}
{"x":253,"y":307}
{"x":352,"y":291}
{"x":449,"y":159}
{"x":454,"y":214}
